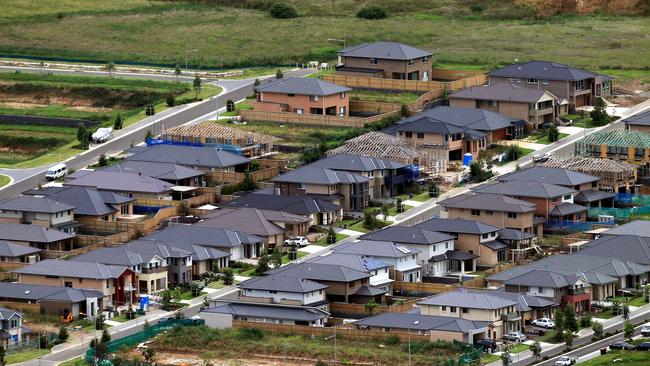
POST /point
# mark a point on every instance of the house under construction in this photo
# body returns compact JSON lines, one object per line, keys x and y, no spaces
{"x":615,"y":176}
{"x":620,"y":145}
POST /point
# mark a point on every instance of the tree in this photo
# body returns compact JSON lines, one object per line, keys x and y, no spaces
{"x":281,"y":10}
{"x":230,"y":105}
{"x":384,"y":210}
{"x":399,"y":205}
{"x":628,"y":330}
{"x":331,"y":236}
{"x":177,"y":73}
{"x":148,"y":354}
{"x":599,"y":114}
{"x":196,"y":287}
{"x":598,"y":329}
{"x":105,"y":336}
{"x":432,"y":188}
{"x":370,"y":306}
{"x":568,"y":338}
{"x":2,"y":355}
{"x":82,"y":136}
{"x":99,"y":322}
{"x":256,"y":82}
{"x":110,"y":67}
{"x":149,"y":135}
{"x":585,"y":320}
{"x":372,"y":12}
{"x":536,"y":349}
{"x":506,"y":358}
{"x":150,"y":110}
{"x":101,"y":351}
{"x":404,"y":110}
{"x":279,"y":74}
{"x":183,"y":210}
{"x":102,"y":161}
{"x":262,"y":264}
{"x":477,"y":173}
{"x":646,"y":293}
{"x":118,"y":124}
{"x":276,"y":258}
{"x":228,"y":277}
{"x":616,"y":307}
{"x":514,"y":152}
{"x":553,"y":133}
{"x":626,"y":312}
{"x":63,"y":335}
{"x":559,"y":324}
{"x":571,"y":322}
{"x":171,"y":100}
{"x":197,"y":85}
{"x":369,"y":220}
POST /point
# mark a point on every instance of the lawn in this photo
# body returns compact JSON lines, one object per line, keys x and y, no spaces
{"x":620,"y":358}
{"x":548,"y":336}
{"x":187,"y":295}
{"x":359,"y":226}
{"x":254,"y":72}
{"x":24,"y":145}
{"x":4,"y":180}
{"x":519,"y":347}
{"x":25,"y":355}
{"x":373,"y":96}
{"x":219,"y":284}
{"x":632,"y":301}
{"x":544,"y":139}
{"x":524,"y":152}
{"x":246,"y":104}
{"x":246,"y":37}
{"x":77,"y":361}
{"x":285,"y":256}
{"x":323,"y":241}
{"x":421,"y":197}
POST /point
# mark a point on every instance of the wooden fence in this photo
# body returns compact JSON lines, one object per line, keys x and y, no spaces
{"x":92,"y":240}
{"x":10,"y":266}
{"x":366,"y":106}
{"x":312,"y":119}
{"x":21,"y":306}
{"x":421,"y":287}
{"x":189,"y":202}
{"x":360,"y":309}
{"x":341,"y":331}
{"x":360,"y":82}
{"x":236,"y":177}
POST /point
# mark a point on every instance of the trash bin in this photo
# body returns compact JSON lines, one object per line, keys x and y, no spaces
{"x":603,"y":351}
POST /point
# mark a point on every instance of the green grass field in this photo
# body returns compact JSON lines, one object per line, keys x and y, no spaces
{"x":4,"y":180}
{"x":621,"y":358}
{"x":401,"y":98}
{"x":238,"y":37}
{"x":25,"y":355}
{"x":323,"y":241}
{"x":544,"y":139}
{"x":27,"y":146}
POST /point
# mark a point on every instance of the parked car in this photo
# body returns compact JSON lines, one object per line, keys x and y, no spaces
{"x":645,"y":346}
{"x":645,"y":330}
{"x":57,"y":171}
{"x":515,"y":337}
{"x":299,"y":241}
{"x":540,"y":158}
{"x":544,"y":323}
{"x":565,"y":361}
{"x":621,"y":345}
{"x":487,"y":344}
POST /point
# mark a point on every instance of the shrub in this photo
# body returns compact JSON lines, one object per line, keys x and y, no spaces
{"x":63,"y":335}
{"x":282,"y":10}
{"x":477,"y":8}
{"x":250,"y":334}
{"x":553,"y":133}
{"x":404,"y":110}
{"x":372,"y":12}
{"x":102,"y":160}
{"x":598,"y":330}
{"x":171,"y":100}
{"x":230,"y":106}
{"x":393,"y":340}
{"x":228,"y":277}
{"x":279,"y":74}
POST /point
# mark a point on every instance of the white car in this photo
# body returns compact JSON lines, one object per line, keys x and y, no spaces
{"x":645,"y":330}
{"x":544,"y":323}
{"x":515,"y":337}
{"x":565,"y":361}
{"x":299,"y":241}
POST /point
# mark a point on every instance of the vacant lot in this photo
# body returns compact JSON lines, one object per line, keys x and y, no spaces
{"x":19,"y":144}
{"x":493,"y":33}
{"x":622,"y":358}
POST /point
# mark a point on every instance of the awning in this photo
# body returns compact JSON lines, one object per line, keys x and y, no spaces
{"x":453,"y":255}
{"x":567,"y":209}
{"x":184,"y":188}
{"x":366,"y":290}
{"x":208,"y":207}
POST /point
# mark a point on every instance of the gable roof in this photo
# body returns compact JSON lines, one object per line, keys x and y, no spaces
{"x":384,"y":50}
{"x":320,"y":272}
{"x":12,"y":249}
{"x":473,"y":299}
{"x":375,"y":248}
{"x":514,"y":234}
{"x":457,"y":226}
{"x":508,"y":92}
{"x":421,"y":322}
{"x":522,"y":188}
{"x":593,"y":195}
{"x":408,"y":235}
{"x":566,"y":208}
{"x":116,"y":256}
{"x":31,"y":233}
{"x":86,"y":201}
{"x":525,"y":302}
{"x":6,"y":314}
{"x":468,"y":118}
{"x":269,"y":311}
{"x":200,"y":156}
{"x":545,"y":70}
{"x":636,"y":227}
{"x":300,"y":205}
{"x":557,"y":176}
{"x":624,"y":247}
{"x":35,"y":204}
{"x":163,"y":171}
{"x":203,"y":235}
{"x":488,"y":201}
{"x":318,"y":175}
{"x":21,"y":291}
{"x":639,"y":119}
{"x":283,"y":282}
{"x":356,"y":163}
{"x":302,"y":86}
{"x":544,"y":278}
{"x":55,"y":267}
{"x":251,"y":220}
{"x":120,"y":182}
{"x":353,"y":261}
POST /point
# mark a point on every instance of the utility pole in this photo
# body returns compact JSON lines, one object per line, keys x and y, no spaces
{"x":186,"y":53}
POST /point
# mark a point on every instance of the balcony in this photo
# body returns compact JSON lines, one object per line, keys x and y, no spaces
{"x":160,"y":269}
{"x":574,"y":292}
{"x":540,"y":112}
{"x":510,"y":317}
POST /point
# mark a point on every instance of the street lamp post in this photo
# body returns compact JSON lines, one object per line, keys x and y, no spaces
{"x":409,"y":331}
{"x":186,"y":53}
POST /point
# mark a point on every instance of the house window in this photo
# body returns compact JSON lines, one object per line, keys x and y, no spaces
{"x":465,"y":311}
{"x":373,"y":61}
{"x":425,"y":60}
{"x":567,"y":196}
{"x":291,"y":95}
{"x":342,"y":95}
{"x":580,"y":85}
{"x":351,"y":284}
{"x":81,"y":280}
{"x":313,"y":98}
{"x":299,"y":111}
{"x":435,"y":248}
{"x":545,"y":81}
{"x":512,"y":215}
{"x":476,"y":212}
{"x":485,"y":236}
{"x":554,"y":199}
{"x":411,"y":62}
{"x":420,"y":135}
{"x":452,"y":309}
{"x":273,"y":292}
{"x":488,"y":212}
{"x":108,"y":283}
{"x":531,"y":81}
{"x":320,"y":292}
{"x":68,"y":284}
{"x":408,"y":134}
{"x":540,"y":290}
{"x":341,"y":111}
{"x":444,"y":308}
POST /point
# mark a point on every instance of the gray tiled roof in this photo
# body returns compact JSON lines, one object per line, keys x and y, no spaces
{"x":625,"y":247}
{"x":502,"y":92}
{"x":544,"y":70}
{"x":189,"y":156}
{"x":6,"y":314}
{"x":283,"y":282}
{"x":120,"y":182}
{"x":494,"y":244}
{"x":320,"y":272}
{"x":31,"y":233}
{"x":86,"y":201}
{"x":251,"y":220}
{"x":353,"y":261}
{"x":639,"y":119}
{"x":356,"y":163}
{"x":544,"y":278}
{"x":408,"y":235}
{"x":318,"y":175}
{"x":636,"y":227}
{"x":54,"y":267}
{"x":426,"y":124}
{"x":417,"y":322}
{"x":300,"y":205}
{"x":375,"y":248}
{"x":163,"y":171}
{"x":367,"y":290}
{"x":473,"y":299}
{"x":302,"y":86}
{"x":204,"y":236}
{"x":558,"y":176}
{"x":269,"y":311}
{"x":593,"y":195}
{"x":384,"y":50}
{"x":488,"y":201}
{"x":454,"y":255}
{"x":117,"y":256}
{"x":468,"y":118}
{"x":514,"y":234}
{"x":526,"y":302}
{"x":24,"y":292}
{"x":567,"y":208}
{"x":521,"y":188}
{"x":457,"y":226}
{"x":35,"y":204}
{"x":11,"y":249}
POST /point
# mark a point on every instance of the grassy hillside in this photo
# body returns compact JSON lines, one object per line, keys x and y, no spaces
{"x":457,"y":31}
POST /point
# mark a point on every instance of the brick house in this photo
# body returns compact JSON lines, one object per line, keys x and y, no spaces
{"x":389,"y":60}
{"x":303,"y":96}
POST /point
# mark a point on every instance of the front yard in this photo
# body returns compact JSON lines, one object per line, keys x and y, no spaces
{"x":323,"y":241}
{"x":543,"y":139}
{"x":25,"y":355}
{"x":373,"y":96}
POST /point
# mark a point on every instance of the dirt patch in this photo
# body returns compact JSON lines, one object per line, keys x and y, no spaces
{"x":554,"y":7}
{"x":89,"y":109}
{"x":40,"y":100}
{"x":194,"y":360}
{"x":18,"y":105}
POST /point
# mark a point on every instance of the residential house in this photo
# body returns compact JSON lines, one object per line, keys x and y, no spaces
{"x":286,"y":289}
{"x":89,"y":204}
{"x":389,"y":60}
{"x":428,"y":244}
{"x":472,"y":237}
{"x":203,"y":158}
{"x":521,"y":244}
{"x":579,"y":87}
{"x":634,"y":248}
{"x":222,"y":313}
{"x":378,"y":270}
{"x":303,"y":96}
{"x":319,"y":211}
{"x":634,"y":228}
{"x":14,"y":253}
{"x":250,"y":144}
{"x":402,"y":259}
{"x":493,"y":209}
{"x":53,"y":300}
{"x":272,"y":226}
{"x":535,"y":106}
{"x":475,"y":305}
{"x":236,"y":244}
{"x":631,"y":146}
{"x":133,"y":185}
{"x":529,"y":307}
{"x":40,"y":211}
{"x":638,"y":122}
{"x":175,"y":174}
{"x":116,"y":283}
{"x":37,"y":236}
{"x":439,"y":328}
{"x":11,"y":329}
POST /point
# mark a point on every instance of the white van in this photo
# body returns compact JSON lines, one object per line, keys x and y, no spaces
{"x":56,"y":172}
{"x":645,"y":330}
